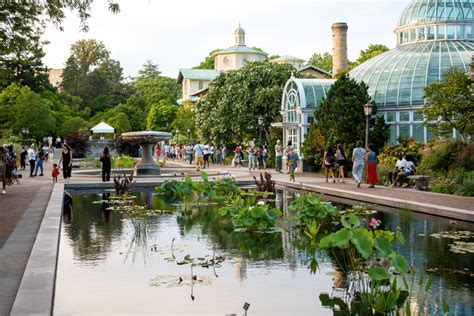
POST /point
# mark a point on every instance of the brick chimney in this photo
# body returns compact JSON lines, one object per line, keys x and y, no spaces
{"x":339,"y":47}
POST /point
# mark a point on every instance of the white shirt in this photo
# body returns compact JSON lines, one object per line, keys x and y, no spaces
{"x":359,"y":155}
{"x":278,"y":150}
{"x":167,"y":148}
{"x":410,"y":165}
{"x":401,"y":164}
{"x":31,"y":154}
{"x":199,"y":150}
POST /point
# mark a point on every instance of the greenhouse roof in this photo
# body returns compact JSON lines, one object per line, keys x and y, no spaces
{"x":434,"y":11}
{"x":240,"y":49}
{"x":398,"y":77}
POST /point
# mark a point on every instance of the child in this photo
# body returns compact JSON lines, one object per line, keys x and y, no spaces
{"x":55,"y":173}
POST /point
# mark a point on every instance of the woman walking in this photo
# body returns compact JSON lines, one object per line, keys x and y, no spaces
{"x":66,"y":159}
{"x":31,"y":159}
{"x":341,"y":162}
{"x":371,"y":161}
{"x":328,"y":163}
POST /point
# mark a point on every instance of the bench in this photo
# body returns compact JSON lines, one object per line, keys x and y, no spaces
{"x":421,"y":182}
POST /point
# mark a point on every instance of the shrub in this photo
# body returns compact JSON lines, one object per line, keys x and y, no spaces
{"x":406,"y":146}
{"x":78,"y":144}
{"x":313,"y":147}
{"x":440,"y":156}
{"x":123,"y":162}
{"x":382,"y":172}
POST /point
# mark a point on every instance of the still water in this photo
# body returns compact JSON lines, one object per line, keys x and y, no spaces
{"x":109,"y":264}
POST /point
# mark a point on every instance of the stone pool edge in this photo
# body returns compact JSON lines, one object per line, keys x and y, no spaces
{"x":36,"y":292}
{"x":431,"y":209}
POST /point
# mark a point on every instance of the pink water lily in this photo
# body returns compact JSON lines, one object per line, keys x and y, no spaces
{"x":374,"y":223}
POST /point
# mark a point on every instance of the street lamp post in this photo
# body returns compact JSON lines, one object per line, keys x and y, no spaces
{"x":177,"y":136}
{"x":25,"y":131}
{"x":188,"y":131}
{"x":260,"y":125}
{"x":368,"y":108}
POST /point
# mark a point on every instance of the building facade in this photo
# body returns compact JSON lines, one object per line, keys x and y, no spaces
{"x":231,"y":58}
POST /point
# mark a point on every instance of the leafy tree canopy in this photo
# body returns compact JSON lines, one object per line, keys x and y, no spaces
{"x":451,"y":100}
{"x":366,"y":54}
{"x":92,"y":75}
{"x":22,"y":24}
{"x":161,"y":115}
{"x":322,"y":61}
{"x":341,"y":115}
{"x":229,"y":113}
{"x":208,"y":62}
{"x":185,"y":118}
{"x":148,"y":71}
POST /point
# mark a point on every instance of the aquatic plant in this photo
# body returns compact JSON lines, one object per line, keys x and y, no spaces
{"x":308,"y":208}
{"x":246,"y":216}
{"x":123,"y":185}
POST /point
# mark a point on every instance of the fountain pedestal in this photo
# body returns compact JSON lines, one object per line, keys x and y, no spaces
{"x":147,"y":166}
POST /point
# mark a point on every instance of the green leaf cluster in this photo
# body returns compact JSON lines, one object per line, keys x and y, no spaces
{"x":229,"y":113}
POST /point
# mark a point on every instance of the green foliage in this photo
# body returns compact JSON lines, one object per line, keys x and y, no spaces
{"x":366,"y":54}
{"x":161,"y":116}
{"x":92,"y":75}
{"x":440,"y":157}
{"x":123,"y":161}
{"x":208,"y":62}
{"x":74,"y":125}
{"x":309,"y":208}
{"x":185,"y":118}
{"x":450,"y":99}
{"x":246,"y":216}
{"x":341,"y":114}
{"x":322,"y":61}
{"x":314,"y":146}
{"x":406,"y":146}
{"x":229,"y":113}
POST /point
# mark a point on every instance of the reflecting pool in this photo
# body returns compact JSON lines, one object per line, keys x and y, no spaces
{"x":111,"y":264}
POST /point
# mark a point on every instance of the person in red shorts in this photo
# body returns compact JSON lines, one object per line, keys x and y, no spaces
{"x":55,"y":173}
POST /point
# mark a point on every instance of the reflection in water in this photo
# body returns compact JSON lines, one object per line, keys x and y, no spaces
{"x":258,"y":265}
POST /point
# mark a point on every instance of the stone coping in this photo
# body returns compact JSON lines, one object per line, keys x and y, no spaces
{"x":36,"y":292}
{"x":432,"y":209}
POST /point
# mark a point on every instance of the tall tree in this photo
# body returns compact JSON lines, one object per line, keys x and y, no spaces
{"x":161,"y":116}
{"x":341,"y":114}
{"x":21,"y":49}
{"x":92,"y":75}
{"x":450,"y":104}
{"x":148,"y":71}
{"x":229,"y":113}
{"x":322,"y":61}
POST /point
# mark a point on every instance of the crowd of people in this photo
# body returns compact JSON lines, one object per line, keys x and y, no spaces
{"x":34,"y":156}
{"x":334,"y":162}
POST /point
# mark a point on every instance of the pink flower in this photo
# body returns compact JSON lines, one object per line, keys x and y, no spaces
{"x":374,"y":223}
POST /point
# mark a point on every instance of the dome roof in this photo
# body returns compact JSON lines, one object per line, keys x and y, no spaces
{"x":435,"y":11}
{"x":397,"y":77}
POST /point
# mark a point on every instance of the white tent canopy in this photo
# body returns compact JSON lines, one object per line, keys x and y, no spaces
{"x":102,"y":128}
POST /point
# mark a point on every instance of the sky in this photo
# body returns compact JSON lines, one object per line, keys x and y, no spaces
{"x":180,"y":33}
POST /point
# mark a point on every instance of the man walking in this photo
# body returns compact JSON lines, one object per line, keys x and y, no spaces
{"x":278,"y":156}
{"x":358,"y":163}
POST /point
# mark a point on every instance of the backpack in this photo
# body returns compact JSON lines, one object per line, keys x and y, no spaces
{"x":330,"y":158}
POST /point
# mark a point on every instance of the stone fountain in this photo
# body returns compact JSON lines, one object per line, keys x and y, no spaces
{"x":147,"y":166}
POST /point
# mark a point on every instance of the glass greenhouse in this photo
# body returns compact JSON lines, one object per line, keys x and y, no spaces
{"x":432,"y":36}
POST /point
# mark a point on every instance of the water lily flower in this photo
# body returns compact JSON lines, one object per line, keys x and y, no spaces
{"x":374,"y":223}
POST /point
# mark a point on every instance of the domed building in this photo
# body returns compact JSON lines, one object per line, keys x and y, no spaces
{"x":432,"y":36}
